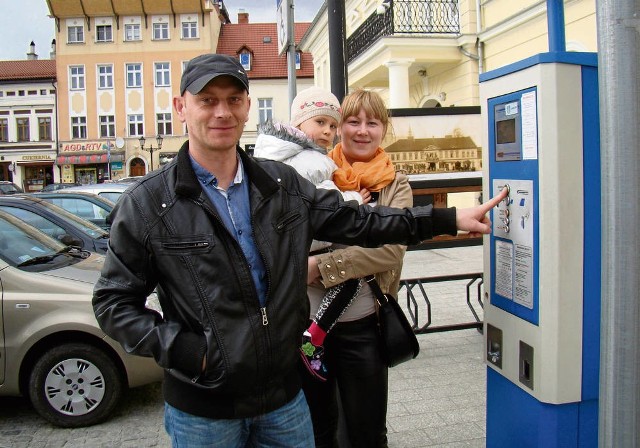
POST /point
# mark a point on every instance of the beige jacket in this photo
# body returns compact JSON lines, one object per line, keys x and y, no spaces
{"x":357,"y":262}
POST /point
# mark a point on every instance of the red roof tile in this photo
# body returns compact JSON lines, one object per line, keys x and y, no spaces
{"x":265,"y":62}
{"x":27,"y":69}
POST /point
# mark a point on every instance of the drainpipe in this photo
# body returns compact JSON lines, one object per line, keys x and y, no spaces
{"x":55,"y":103}
{"x":479,"y":43}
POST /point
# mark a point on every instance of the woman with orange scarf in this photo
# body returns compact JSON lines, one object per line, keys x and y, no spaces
{"x":352,"y":350}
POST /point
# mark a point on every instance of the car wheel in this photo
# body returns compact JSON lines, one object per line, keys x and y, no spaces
{"x":75,"y":385}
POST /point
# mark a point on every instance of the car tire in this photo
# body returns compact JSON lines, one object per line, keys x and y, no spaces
{"x":74,"y":385}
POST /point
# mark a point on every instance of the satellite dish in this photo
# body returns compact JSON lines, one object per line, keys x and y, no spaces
{"x":119,"y":142}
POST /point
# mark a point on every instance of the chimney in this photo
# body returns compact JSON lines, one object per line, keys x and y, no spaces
{"x":52,"y":53}
{"x":32,"y":56}
{"x":243,"y":16}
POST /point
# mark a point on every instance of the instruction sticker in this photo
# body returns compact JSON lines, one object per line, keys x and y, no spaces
{"x":504,"y":269}
{"x":529,"y":126}
{"x":524,"y":276}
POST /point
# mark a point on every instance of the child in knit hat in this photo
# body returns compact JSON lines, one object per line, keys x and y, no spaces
{"x":315,"y":115}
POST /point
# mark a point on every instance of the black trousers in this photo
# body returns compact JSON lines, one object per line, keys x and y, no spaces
{"x":352,"y":356}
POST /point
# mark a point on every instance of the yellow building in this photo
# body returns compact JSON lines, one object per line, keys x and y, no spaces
{"x":429,"y":53}
{"x":119,"y":64}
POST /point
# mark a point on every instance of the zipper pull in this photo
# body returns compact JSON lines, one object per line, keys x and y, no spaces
{"x":265,"y":321}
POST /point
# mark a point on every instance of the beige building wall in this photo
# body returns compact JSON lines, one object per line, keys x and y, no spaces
{"x":515,"y":30}
{"x":91,"y":101}
{"x":444,"y":69}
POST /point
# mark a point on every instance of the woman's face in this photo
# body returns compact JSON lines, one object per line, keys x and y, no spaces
{"x":361,"y":137}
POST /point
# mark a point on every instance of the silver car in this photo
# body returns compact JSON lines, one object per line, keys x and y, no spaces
{"x":109,"y":190}
{"x":51,"y":347}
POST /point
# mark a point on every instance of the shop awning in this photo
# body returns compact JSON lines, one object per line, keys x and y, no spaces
{"x":88,"y":158}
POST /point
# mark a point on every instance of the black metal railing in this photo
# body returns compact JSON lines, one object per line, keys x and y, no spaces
{"x":414,"y":288}
{"x":405,"y":17}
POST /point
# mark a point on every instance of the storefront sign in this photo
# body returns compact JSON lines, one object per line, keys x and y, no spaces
{"x":39,"y":157}
{"x":87,"y":146}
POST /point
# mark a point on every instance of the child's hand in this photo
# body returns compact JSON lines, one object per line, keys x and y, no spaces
{"x":313,"y":271}
{"x":366,"y":195}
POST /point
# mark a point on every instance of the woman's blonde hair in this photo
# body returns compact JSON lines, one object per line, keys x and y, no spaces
{"x":370,"y":102}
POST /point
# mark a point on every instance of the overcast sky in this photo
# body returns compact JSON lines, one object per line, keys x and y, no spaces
{"x":23,"y":21}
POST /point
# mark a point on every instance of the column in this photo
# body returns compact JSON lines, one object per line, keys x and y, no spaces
{"x":399,"y":82}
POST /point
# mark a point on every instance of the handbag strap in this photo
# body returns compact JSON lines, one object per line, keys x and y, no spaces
{"x":375,"y":288}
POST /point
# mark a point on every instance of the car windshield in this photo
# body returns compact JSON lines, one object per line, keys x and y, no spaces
{"x":20,"y":243}
{"x":9,"y":189}
{"x":83,"y":225}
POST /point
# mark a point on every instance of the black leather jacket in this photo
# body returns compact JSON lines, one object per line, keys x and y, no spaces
{"x":165,"y":233}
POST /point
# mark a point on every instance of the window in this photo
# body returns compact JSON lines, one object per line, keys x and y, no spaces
{"x":265,"y":109}
{"x":76,"y":77}
{"x":22,"y":125}
{"x":75,"y":34}
{"x":134,"y":75}
{"x":298,"y":58}
{"x":160,"y":31}
{"x":164,"y":124}
{"x":79,"y":127}
{"x":163,"y":75}
{"x":107,"y":125}
{"x":136,"y":125}
{"x":104,"y":33}
{"x":189,"y":30}
{"x":4,"y":130}
{"x":105,"y":76}
{"x":44,"y":128}
{"x":132,"y":32}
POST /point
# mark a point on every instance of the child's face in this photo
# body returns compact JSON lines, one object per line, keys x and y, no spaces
{"x":321,"y":129}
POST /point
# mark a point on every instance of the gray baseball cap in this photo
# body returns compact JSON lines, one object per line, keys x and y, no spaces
{"x":202,"y":69}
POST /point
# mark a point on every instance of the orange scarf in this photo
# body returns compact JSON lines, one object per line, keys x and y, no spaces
{"x":373,"y":175}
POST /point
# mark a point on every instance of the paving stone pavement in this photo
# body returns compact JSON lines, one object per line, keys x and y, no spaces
{"x":436,"y":400}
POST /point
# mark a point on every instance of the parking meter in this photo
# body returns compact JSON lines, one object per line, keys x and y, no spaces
{"x":542,"y":258}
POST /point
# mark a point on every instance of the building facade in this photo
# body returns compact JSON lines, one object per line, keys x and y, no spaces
{"x":429,"y":53}
{"x":119,"y":65}
{"x":28,"y":122}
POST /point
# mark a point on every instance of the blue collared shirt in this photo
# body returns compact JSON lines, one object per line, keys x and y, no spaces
{"x":234,"y":209}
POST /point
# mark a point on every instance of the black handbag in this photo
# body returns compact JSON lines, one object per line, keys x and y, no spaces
{"x":399,"y":342}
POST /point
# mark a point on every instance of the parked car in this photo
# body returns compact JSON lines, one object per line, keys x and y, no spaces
{"x":7,"y":187}
{"x":56,"y":222}
{"x":109,"y":190}
{"x":59,"y":186}
{"x":86,"y":205}
{"x":127,"y":180}
{"x":53,"y":351}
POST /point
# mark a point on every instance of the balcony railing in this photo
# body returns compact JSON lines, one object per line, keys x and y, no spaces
{"x":405,"y":17}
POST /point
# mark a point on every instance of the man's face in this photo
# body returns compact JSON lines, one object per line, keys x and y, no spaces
{"x":216,"y":116}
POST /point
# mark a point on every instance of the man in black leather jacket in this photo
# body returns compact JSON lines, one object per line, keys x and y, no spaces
{"x":225,"y":238}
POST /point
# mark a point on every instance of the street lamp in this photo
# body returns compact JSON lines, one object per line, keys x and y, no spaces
{"x":151,"y":148}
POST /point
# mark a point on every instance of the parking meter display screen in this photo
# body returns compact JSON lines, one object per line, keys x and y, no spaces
{"x":506,"y":131}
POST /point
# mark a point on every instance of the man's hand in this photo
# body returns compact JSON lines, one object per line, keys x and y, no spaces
{"x":474,"y":219}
